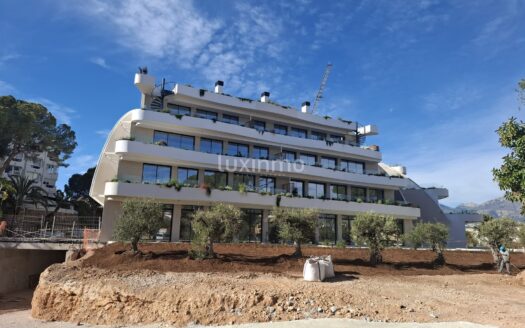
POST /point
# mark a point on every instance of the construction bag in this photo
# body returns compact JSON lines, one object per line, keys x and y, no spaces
{"x":312,"y":270}
{"x":327,"y":266}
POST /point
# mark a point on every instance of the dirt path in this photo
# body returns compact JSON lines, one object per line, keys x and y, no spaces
{"x":23,"y":319}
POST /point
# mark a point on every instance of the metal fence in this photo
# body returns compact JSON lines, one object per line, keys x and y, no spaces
{"x":48,"y":229}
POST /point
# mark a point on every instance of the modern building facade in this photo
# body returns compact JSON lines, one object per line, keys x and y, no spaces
{"x":39,"y":168}
{"x":189,"y":148}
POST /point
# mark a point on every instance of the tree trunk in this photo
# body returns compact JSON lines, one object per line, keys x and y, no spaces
{"x":6,"y":163}
{"x":440,"y":258}
{"x":298,"y":252}
{"x":209,"y":249}
{"x":135,"y":245}
{"x":375,"y":257}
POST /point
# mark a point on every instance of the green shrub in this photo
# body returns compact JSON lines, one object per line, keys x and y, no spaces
{"x":495,"y":232}
{"x":139,"y":218}
{"x":295,"y":225}
{"x":218,"y":223}
{"x":375,"y":231}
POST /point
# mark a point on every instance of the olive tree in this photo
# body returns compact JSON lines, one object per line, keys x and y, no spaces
{"x":220,"y":222}
{"x":139,"y":218}
{"x":495,"y":232}
{"x":375,"y":231}
{"x":295,"y":225}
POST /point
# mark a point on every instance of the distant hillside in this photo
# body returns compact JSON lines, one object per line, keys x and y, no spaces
{"x":498,"y":208}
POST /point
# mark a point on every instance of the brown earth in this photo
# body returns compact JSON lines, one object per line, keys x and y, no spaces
{"x":273,"y":259}
{"x":254,"y":283}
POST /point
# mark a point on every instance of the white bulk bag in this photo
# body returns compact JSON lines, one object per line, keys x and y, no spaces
{"x":312,"y":270}
{"x":327,"y":266}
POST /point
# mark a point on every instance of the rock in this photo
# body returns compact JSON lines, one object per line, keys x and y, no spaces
{"x":319,"y":309}
{"x":434,"y":315}
{"x":402,"y":306}
{"x":270,"y":310}
{"x":333,"y":309}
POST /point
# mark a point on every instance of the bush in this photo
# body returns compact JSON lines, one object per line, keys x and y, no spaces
{"x":218,"y":223}
{"x":495,"y":232}
{"x":295,"y":225}
{"x":139,"y":217}
{"x":375,"y":231}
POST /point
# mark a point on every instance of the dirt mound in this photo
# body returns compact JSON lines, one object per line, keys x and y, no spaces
{"x":521,"y":278}
{"x":273,"y":259}
{"x":104,"y":296}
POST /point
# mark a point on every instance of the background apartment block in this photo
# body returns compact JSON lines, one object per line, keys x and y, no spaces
{"x":38,"y":168}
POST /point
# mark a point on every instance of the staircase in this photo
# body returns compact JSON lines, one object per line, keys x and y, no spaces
{"x":158,"y":101}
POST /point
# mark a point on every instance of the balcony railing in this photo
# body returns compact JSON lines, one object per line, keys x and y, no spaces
{"x":284,"y":191}
{"x":277,"y":157}
{"x":329,"y":141}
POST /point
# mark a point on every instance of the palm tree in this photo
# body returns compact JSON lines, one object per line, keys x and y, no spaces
{"x":60,"y":201}
{"x":25,"y":190}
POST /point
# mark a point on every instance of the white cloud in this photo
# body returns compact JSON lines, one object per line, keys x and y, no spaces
{"x":103,"y":133}
{"x":6,"y":88}
{"x":62,"y":113}
{"x":451,"y":98}
{"x":176,"y":32}
{"x":8,"y":57}
{"x":99,"y":61}
{"x":458,"y":154}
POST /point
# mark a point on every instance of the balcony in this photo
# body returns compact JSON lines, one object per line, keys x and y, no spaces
{"x":198,"y":196}
{"x":142,"y":152}
{"x":190,"y":125}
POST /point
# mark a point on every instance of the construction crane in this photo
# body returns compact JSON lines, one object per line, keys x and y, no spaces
{"x":327,"y":71}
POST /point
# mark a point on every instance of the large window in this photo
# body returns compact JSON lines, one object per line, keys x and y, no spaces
{"x":251,"y":226}
{"x":346,"y":228}
{"x":317,"y":135}
{"x":236,"y":149}
{"x":289,"y":156}
{"x":261,"y":152}
{"x":188,"y":176}
{"x":316,"y":190}
{"x":328,"y":162}
{"x":327,"y":229}
{"x":358,"y":194}
{"x":307,"y":159}
{"x":230,"y":119}
{"x":211,"y":146}
{"x":297,"y":188}
{"x":259,"y":125}
{"x":375,"y":195}
{"x":267,"y":184}
{"x":352,"y":167}
{"x":174,"y":140}
{"x":338,"y":192}
{"x":164,"y":233}
{"x":296,"y":132}
{"x":179,"y":110}
{"x":247,"y":179}
{"x":280,"y":129}
{"x":156,"y":173}
{"x":186,"y":231}
{"x":206,"y":114}
{"x":215,"y":179}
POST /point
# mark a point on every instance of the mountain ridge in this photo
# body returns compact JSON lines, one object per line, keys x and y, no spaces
{"x":498,"y":208}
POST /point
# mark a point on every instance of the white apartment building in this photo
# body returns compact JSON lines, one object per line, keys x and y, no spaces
{"x":39,"y":168}
{"x":189,"y":148}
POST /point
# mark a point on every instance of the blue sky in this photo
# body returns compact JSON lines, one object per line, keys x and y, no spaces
{"x":437,"y":77}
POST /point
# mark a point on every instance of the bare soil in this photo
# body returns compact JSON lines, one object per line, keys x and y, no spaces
{"x":259,"y":283}
{"x":172,"y":257}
